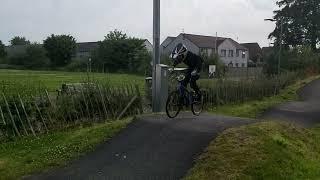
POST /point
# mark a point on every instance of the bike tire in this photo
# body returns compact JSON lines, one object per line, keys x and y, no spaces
{"x":197,"y":107}
{"x":173,"y":96}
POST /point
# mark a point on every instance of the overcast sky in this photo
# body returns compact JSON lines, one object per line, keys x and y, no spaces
{"x":91,"y":20}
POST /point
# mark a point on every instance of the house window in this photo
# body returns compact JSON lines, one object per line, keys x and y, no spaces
{"x":230,"y":53}
{"x":237,"y":64}
{"x":223,"y":53}
{"x":238,"y":53}
{"x":243,"y":65}
{"x":243,"y":54}
{"x":205,"y":51}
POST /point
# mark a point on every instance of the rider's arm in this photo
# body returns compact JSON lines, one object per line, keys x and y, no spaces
{"x":198,"y":66}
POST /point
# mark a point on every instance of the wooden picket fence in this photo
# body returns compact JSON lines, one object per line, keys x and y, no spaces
{"x":228,"y":92}
{"x":34,"y":114}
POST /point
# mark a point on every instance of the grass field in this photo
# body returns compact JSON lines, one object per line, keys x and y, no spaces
{"x":267,"y":150}
{"x":31,"y":155}
{"x":53,"y":79}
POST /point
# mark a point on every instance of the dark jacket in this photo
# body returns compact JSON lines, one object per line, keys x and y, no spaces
{"x":193,"y":61}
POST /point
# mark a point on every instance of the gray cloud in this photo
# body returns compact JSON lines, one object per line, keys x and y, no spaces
{"x":91,"y":20}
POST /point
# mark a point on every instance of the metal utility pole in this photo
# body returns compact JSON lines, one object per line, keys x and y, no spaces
{"x":280,"y":44}
{"x":156,"y":52}
{"x":215,"y":45}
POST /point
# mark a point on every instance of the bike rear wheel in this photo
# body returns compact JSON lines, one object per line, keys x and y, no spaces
{"x":197,"y":106}
{"x":173,"y":106}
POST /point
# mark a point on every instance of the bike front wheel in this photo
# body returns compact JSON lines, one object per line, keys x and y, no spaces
{"x":173,"y":106}
{"x":197,"y":106}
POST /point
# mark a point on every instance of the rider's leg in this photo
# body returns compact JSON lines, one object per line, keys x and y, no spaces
{"x":194,"y":86}
{"x":185,"y":83}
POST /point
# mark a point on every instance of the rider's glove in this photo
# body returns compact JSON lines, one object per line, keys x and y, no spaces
{"x":194,"y":73}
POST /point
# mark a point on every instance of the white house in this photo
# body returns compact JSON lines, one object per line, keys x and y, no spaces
{"x":148,"y":45}
{"x":231,"y":52}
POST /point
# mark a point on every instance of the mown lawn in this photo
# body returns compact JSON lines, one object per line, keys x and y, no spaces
{"x":267,"y":150}
{"x":53,"y":79}
{"x":31,"y":155}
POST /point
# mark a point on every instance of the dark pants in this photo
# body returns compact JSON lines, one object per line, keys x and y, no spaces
{"x":192,"y":80}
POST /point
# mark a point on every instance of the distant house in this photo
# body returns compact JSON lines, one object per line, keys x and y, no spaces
{"x":84,"y":49}
{"x":231,"y":52}
{"x":166,"y":42}
{"x":255,"y":53}
{"x":148,"y":45}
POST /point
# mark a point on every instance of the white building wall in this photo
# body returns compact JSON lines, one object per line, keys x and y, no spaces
{"x":228,"y":45}
{"x":166,"y":42}
{"x":148,"y":46}
{"x":191,"y":47}
{"x":207,"y":51}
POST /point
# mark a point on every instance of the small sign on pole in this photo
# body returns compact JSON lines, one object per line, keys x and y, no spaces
{"x":212,"y":70}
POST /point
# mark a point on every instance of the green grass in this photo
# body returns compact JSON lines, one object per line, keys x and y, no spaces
{"x":267,"y":150}
{"x":32,"y":155}
{"x":252,"y":109}
{"x":53,"y":79}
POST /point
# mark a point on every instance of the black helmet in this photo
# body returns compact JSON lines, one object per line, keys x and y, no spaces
{"x":179,"y":53}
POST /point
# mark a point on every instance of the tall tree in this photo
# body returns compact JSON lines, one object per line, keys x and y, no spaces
{"x":117,"y":52}
{"x":60,"y":49}
{"x":36,"y":57}
{"x":3,"y":52}
{"x":17,"y":40}
{"x":300,"y":23}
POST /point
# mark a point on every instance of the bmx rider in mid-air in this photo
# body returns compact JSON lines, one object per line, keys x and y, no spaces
{"x":194,"y":62}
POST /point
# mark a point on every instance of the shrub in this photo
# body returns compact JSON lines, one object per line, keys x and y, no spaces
{"x":36,"y":57}
{"x":77,"y":65}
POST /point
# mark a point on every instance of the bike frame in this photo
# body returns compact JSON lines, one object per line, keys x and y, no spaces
{"x":185,"y":93}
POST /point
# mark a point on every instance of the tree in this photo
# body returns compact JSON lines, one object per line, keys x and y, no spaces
{"x":17,"y":40}
{"x":302,"y":59}
{"x":299,"y":20}
{"x":36,"y":57}
{"x":60,"y":49}
{"x":117,"y":52}
{"x":3,"y":52}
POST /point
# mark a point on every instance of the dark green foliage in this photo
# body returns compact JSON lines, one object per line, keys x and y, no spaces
{"x":3,"y":52}
{"x":300,"y":21}
{"x":60,"y":49}
{"x":17,"y":59}
{"x":36,"y":57}
{"x":17,"y":40}
{"x":118,"y":53}
{"x":77,"y":65}
{"x":302,"y":59}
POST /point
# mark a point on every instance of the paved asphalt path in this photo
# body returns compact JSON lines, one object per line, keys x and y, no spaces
{"x":305,"y":112}
{"x":153,"y":147}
